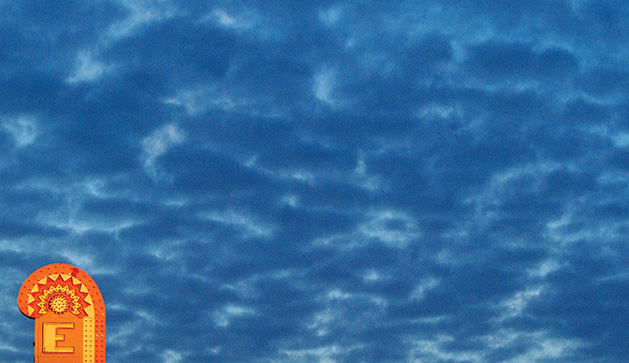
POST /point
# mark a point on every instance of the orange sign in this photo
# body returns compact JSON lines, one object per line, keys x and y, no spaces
{"x":69,"y":313}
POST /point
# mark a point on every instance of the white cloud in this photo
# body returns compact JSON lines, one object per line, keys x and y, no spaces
{"x":248,"y":225}
{"x":142,"y":12}
{"x":510,"y":183}
{"x":393,"y":228}
{"x":87,"y":68}
{"x":431,"y":350}
{"x":224,"y":19}
{"x":8,"y":348}
{"x":364,"y":179}
{"x":372,"y":276}
{"x":323,"y":87}
{"x":324,"y":354}
{"x":71,"y":215}
{"x":290,"y":200}
{"x":149,"y":317}
{"x":545,"y":267}
{"x":439,"y":111}
{"x":299,"y":175}
{"x":23,"y":129}
{"x":565,"y":231}
{"x":611,"y":178}
{"x":13,"y":246}
{"x":172,"y":356}
{"x":322,"y":321}
{"x":78,"y":222}
{"x":167,"y":250}
{"x":158,"y":144}
{"x":619,"y":138}
{"x":336,"y":295}
{"x":359,"y":176}
{"x":78,"y":259}
{"x":331,"y":16}
{"x":125,"y":333}
{"x":248,"y":287}
{"x":244,"y":20}
{"x":219,"y":96}
{"x":516,"y":304}
{"x":226,"y":314}
{"x":427,"y":284}
{"x":201,"y":99}
{"x":546,"y":349}
{"x":91,"y":187}
{"x":337,"y":314}
{"x":540,"y":346}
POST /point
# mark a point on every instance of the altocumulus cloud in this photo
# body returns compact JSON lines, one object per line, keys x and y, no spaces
{"x":315,"y":181}
{"x":23,"y":129}
{"x":157,"y":144}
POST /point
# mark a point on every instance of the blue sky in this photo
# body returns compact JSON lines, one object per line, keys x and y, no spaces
{"x":316,"y":181}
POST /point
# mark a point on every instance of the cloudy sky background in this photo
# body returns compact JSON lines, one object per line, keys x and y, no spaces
{"x":316,"y":181}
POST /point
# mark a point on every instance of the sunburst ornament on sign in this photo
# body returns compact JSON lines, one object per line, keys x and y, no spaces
{"x":59,"y":299}
{"x":59,"y":293}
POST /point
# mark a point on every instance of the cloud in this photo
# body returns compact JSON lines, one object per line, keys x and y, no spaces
{"x":250,"y":226}
{"x":200,"y":100}
{"x":23,"y":129}
{"x":223,"y":317}
{"x":323,"y":87}
{"x":332,"y":15}
{"x":516,"y":304}
{"x":547,"y":349}
{"x":324,"y":354}
{"x":157,"y":144}
{"x":172,"y":356}
{"x":242,"y":21}
{"x":88,"y":69}
{"x":432,"y":350}
{"x":141,"y":13}
{"x":392,"y":228}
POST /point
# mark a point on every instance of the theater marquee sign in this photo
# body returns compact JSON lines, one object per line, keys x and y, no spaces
{"x":69,"y":313}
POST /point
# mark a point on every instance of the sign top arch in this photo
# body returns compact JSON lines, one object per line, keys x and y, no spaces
{"x":69,"y":313}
